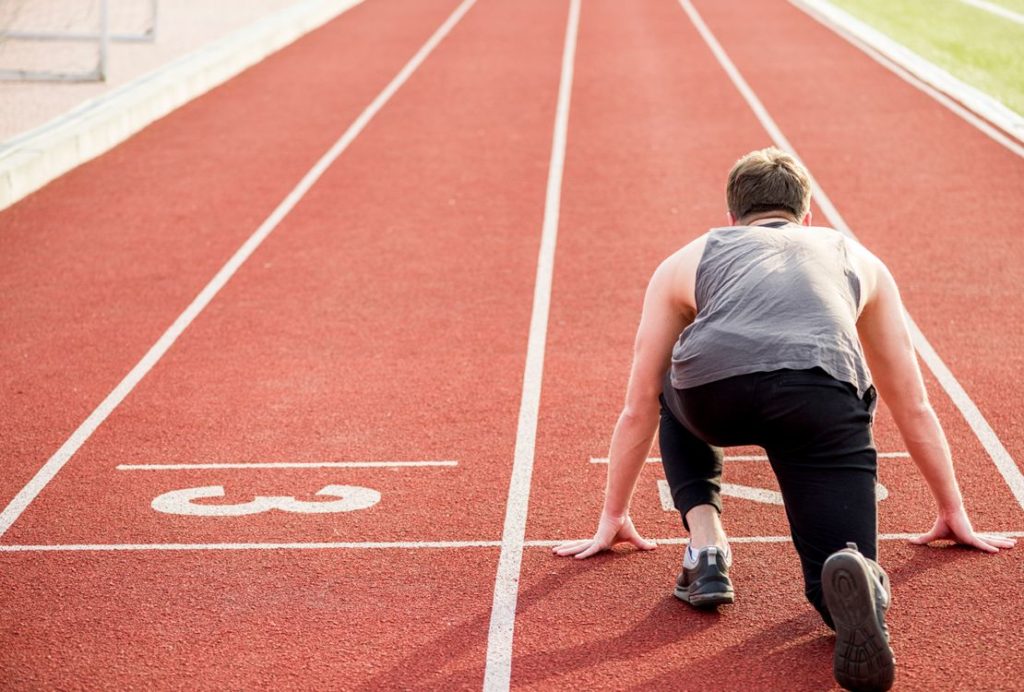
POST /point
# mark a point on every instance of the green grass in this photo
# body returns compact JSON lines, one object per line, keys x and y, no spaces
{"x":980,"y":48}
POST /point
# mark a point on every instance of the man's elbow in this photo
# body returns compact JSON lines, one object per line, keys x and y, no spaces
{"x":639,"y":413}
{"x":910,"y":411}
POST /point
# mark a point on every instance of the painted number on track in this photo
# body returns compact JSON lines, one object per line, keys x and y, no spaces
{"x":768,"y":497}
{"x":349,"y":498}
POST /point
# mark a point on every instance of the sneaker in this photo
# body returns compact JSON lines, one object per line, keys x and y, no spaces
{"x":704,"y":581}
{"x":857,"y":595}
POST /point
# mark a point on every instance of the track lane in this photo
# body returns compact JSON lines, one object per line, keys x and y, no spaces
{"x":385,"y":319}
{"x":933,"y":196}
{"x":655,"y":127}
{"x":612,"y":623}
{"x":590,"y":617}
{"x":304,"y":620}
{"x":647,"y":152}
{"x":638,"y":186}
{"x":96,"y":265}
{"x":363,"y":328}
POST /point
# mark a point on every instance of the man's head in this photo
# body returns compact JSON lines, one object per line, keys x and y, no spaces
{"x":768,"y":182}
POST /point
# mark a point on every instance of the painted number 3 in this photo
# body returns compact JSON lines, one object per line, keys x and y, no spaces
{"x":349,"y":498}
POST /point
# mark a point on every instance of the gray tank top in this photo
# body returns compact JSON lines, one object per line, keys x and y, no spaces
{"x":773,"y":298}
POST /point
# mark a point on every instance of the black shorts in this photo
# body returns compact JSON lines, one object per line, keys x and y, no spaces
{"x":816,"y":432}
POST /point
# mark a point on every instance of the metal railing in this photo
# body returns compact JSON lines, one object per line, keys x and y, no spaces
{"x":102,"y":37}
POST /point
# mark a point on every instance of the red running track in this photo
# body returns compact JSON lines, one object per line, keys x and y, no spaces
{"x":387,"y":319}
{"x":925,"y":190}
{"x":97,"y":265}
{"x":354,"y":333}
{"x":653,"y":114}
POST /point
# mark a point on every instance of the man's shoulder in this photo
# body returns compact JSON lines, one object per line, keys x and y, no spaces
{"x":830,"y":232}
{"x":691,"y":253}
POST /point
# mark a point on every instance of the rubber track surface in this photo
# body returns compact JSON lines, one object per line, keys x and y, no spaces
{"x":387,"y":318}
{"x":653,"y":117}
{"x":94,"y":267}
{"x":354,"y":333}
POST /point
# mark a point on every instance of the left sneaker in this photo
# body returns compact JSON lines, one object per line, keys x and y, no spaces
{"x":857,"y":595}
{"x":704,"y":581}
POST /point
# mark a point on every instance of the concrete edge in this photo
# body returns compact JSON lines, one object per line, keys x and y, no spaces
{"x":30,"y":161}
{"x":911,"y":66}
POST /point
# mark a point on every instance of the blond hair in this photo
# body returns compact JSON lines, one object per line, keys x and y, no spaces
{"x":768,"y":180}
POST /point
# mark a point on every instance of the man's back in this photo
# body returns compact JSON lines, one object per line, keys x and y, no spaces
{"x":771,"y":298}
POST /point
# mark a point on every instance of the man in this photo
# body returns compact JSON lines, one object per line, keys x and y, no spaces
{"x":762,"y":333}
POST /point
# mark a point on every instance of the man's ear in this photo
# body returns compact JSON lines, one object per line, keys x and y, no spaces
{"x":731,"y":217}
{"x":809,"y":219}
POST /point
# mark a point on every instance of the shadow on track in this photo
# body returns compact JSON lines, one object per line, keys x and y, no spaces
{"x":430,"y":665}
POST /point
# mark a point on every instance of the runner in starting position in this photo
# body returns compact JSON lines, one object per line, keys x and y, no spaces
{"x":761,"y":333}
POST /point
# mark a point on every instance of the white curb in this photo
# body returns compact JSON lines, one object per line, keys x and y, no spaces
{"x":997,"y":10}
{"x":31,"y":160}
{"x":895,"y":55}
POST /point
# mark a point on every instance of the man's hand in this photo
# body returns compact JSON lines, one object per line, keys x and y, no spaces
{"x":610,"y":530}
{"x":955,"y":526}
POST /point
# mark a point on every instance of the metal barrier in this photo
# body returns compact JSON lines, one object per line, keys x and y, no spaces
{"x":84,"y":29}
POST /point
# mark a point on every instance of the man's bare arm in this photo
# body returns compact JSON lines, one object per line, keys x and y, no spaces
{"x":668,"y":308}
{"x":889,"y":349}
{"x":660,"y":325}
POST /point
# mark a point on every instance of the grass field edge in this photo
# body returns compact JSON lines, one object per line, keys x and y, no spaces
{"x":986,"y":113}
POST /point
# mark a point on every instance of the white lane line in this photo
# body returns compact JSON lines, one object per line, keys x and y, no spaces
{"x":1005,"y":464}
{"x":998,"y":10}
{"x":333,"y":545}
{"x":987,"y":114}
{"x":56,"y":462}
{"x":386,"y":545}
{"x":676,"y":540}
{"x":1008,"y":468}
{"x":498,"y":673}
{"x":286,"y":465}
{"x":753,"y":457}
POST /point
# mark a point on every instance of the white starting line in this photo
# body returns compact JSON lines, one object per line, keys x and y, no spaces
{"x":387,"y":545}
{"x":754,"y":457}
{"x":286,"y":465}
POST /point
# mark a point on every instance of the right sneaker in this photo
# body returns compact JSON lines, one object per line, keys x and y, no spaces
{"x":704,"y":581}
{"x":857,"y":595}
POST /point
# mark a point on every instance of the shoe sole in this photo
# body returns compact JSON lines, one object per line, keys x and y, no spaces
{"x":705,"y":600}
{"x":863,"y":659}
